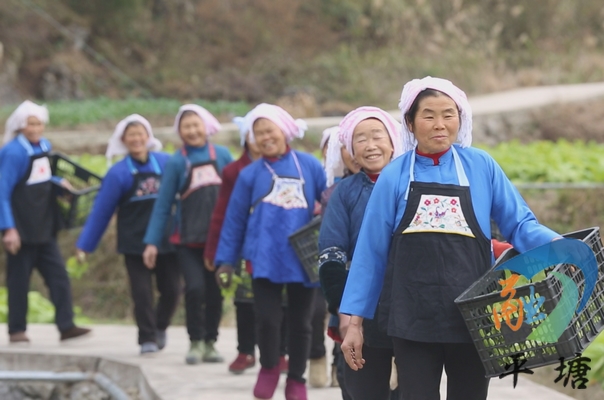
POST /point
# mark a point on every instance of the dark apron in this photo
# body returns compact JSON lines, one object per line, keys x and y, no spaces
{"x":198,"y":198}
{"x":437,"y":251}
{"x":135,"y":210}
{"x":34,"y":209}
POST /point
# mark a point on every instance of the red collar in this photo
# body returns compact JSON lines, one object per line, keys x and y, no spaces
{"x":435,"y":157}
{"x":373,"y":177}
{"x":273,"y":159}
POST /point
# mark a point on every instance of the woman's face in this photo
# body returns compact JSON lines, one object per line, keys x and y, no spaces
{"x":349,"y":161}
{"x":252,"y":148}
{"x":33,"y":130}
{"x":436,"y":124}
{"x":371,"y":145}
{"x":269,"y":138}
{"x":135,"y":139}
{"x":193,"y":130}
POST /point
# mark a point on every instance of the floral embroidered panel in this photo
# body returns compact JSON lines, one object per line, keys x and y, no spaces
{"x":442,"y":214}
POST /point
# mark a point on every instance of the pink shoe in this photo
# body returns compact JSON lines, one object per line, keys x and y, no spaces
{"x":267,"y":382}
{"x":295,"y":390}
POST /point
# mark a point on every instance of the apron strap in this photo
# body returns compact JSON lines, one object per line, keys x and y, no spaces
{"x":183,"y":151}
{"x":152,"y":160}
{"x":28,"y":147}
{"x":461,"y":173}
{"x":274,"y":174}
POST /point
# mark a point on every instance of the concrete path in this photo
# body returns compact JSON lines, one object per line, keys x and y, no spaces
{"x":172,"y":379}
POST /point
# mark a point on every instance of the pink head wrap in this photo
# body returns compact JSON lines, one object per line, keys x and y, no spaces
{"x":211,"y":123}
{"x":353,"y":118}
{"x":116,"y":147}
{"x":413,"y":88}
{"x":291,"y":128}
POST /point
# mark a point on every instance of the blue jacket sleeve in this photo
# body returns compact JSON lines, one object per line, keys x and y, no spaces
{"x":516,"y":221}
{"x":321,"y":181}
{"x":105,"y":203}
{"x":235,"y":223}
{"x":335,"y":225}
{"x":366,"y":275}
{"x":170,"y":185}
{"x":12,"y":168}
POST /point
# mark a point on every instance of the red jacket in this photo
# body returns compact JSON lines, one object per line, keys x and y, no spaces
{"x":229,"y":177}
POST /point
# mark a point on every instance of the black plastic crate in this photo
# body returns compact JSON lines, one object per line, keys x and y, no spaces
{"x":305,"y":242}
{"x":497,"y":347}
{"x":76,"y":204}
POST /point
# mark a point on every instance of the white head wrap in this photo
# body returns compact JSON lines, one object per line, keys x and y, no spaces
{"x":334,"y":164}
{"x":116,"y":146}
{"x":18,"y":119}
{"x":244,"y":132}
{"x":325,"y":137}
{"x":413,"y":88}
{"x":291,"y":128}
{"x":353,"y":118}
{"x":211,"y":123}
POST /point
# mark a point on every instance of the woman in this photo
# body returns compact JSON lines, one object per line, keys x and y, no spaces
{"x":131,"y":187}
{"x":29,"y":222}
{"x":244,"y":305}
{"x":373,"y":135}
{"x":191,"y":180}
{"x":427,"y":228}
{"x":274,"y":197}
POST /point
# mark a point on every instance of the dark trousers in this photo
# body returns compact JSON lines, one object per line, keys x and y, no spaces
{"x":49,"y":262}
{"x":203,"y":300}
{"x":246,"y":329}
{"x":317,"y":345}
{"x":420,"y":367}
{"x":269,"y":315}
{"x":341,"y":366}
{"x":149,"y":318}
{"x":373,"y":381}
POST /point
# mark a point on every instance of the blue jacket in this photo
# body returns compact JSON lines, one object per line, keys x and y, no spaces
{"x":173,"y":181}
{"x":116,"y":184}
{"x":493,"y":196}
{"x":14,"y":162}
{"x":259,"y":228}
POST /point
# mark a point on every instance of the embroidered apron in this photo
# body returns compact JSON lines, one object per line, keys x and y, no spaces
{"x":34,"y":209}
{"x":198,"y":198}
{"x":437,"y":251}
{"x":135,"y":209}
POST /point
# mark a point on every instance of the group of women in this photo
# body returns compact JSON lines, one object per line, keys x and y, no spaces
{"x":406,"y":221}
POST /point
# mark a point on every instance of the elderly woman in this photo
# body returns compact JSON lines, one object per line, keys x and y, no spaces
{"x":372,"y":136}
{"x":131,"y":187}
{"x":273,"y":198}
{"x":427,"y":229}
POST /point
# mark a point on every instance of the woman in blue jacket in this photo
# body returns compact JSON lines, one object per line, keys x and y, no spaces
{"x":373,"y":135}
{"x":274,"y":197}
{"x":131,"y":187}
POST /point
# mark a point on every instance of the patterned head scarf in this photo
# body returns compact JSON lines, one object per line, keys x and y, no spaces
{"x":18,"y":119}
{"x":353,"y":118}
{"x":116,"y":146}
{"x":413,"y":88}
{"x":291,"y":128}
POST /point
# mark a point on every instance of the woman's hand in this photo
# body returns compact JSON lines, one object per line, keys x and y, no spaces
{"x":209,"y":264}
{"x":352,"y":346}
{"x":150,"y":256}
{"x":11,"y":241}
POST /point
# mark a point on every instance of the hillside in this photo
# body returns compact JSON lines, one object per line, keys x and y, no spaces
{"x":352,"y":51}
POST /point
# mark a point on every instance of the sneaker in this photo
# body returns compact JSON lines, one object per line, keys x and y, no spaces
{"x":295,"y":390}
{"x":283,"y":365}
{"x":267,"y":382}
{"x":160,"y":339}
{"x":317,"y":372}
{"x":74,"y":332}
{"x":241,"y":363}
{"x":334,"y":377}
{"x":195,"y":352}
{"x":210,"y":354}
{"x":18,"y":338}
{"x":149,"y":348}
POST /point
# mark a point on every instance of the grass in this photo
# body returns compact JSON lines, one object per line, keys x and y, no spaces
{"x":72,"y":113}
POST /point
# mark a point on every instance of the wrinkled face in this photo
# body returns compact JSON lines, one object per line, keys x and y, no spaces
{"x":371,"y":145}
{"x":193,"y":130}
{"x":269,"y":138}
{"x":135,"y":139}
{"x":349,"y":161}
{"x":33,"y":130}
{"x":436,"y":124}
